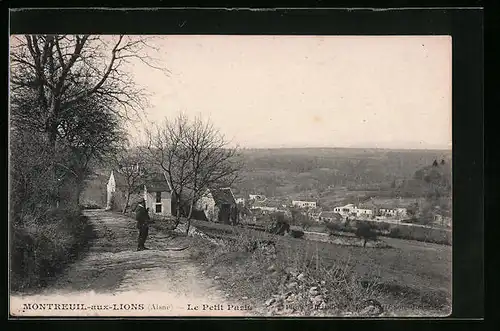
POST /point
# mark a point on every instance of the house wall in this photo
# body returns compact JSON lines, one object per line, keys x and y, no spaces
{"x":110,"y":189}
{"x":387,"y":211}
{"x":303,"y":204}
{"x":116,"y":198}
{"x":402,"y":212}
{"x":166,"y":203}
{"x":207,"y":204}
{"x":364,"y":212}
{"x":345,"y":210}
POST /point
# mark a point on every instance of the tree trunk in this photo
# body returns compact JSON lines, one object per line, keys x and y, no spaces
{"x":364,"y":243}
{"x":126,"y":203}
{"x":52,"y":137}
{"x":189,"y":217}
{"x":78,"y":193}
{"x":177,"y":213}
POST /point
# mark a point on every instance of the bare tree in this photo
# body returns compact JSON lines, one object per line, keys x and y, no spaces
{"x":196,"y":157}
{"x":165,"y":145}
{"x":128,"y":163}
{"x":90,"y":138}
{"x":54,"y":77}
{"x":62,"y":70}
{"x":213,"y":163}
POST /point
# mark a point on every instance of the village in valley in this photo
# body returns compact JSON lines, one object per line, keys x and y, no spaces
{"x":401,"y":215}
{"x":221,"y":205}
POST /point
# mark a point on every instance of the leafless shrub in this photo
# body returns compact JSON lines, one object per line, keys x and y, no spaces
{"x":195,"y":157}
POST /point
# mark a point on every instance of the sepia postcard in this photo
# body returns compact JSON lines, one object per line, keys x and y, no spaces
{"x":230,"y":175}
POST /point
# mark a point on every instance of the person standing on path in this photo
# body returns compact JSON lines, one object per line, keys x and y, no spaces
{"x":142,"y":218}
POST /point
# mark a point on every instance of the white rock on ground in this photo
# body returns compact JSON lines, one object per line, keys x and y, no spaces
{"x":270,"y":301}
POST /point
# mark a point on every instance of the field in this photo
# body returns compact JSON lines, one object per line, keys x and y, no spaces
{"x":403,"y":231}
{"x":409,"y":275}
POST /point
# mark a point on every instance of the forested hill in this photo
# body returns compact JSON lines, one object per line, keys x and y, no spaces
{"x":434,"y":179}
{"x":283,"y":171}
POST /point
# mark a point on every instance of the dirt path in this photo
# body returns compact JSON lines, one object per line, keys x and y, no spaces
{"x":113,"y":279}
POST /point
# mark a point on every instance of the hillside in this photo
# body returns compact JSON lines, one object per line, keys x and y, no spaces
{"x":432,"y":180}
{"x":316,"y":171}
{"x":435,"y":183}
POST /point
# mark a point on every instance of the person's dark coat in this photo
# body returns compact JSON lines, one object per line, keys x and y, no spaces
{"x":141,"y":216}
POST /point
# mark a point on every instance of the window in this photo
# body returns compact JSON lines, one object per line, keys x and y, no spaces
{"x":158,"y":208}
{"x":158,"y":197}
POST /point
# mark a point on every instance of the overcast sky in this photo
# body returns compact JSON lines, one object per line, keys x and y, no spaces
{"x":308,"y":91}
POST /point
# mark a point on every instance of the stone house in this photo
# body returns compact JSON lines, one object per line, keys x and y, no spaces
{"x":304,"y":204}
{"x":219,"y":205}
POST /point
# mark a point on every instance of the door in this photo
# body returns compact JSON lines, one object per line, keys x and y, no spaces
{"x":224,"y":213}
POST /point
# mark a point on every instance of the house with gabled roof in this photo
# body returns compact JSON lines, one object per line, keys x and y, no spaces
{"x":116,"y":191}
{"x":347,"y":210}
{"x":219,"y":205}
{"x":155,"y":190}
{"x":158,"y":195}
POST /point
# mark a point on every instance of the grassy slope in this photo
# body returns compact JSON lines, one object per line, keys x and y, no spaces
{"x":42,"y":251}
{"x":417,"y":274}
